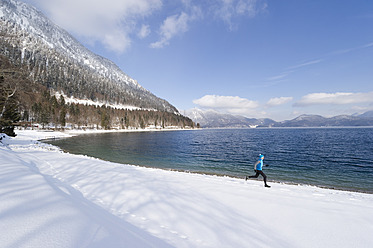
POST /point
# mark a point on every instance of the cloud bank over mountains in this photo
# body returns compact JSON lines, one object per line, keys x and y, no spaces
{"x":242,"y":106}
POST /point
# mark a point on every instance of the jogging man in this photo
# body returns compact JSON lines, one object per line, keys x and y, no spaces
{"x":258,"y":170}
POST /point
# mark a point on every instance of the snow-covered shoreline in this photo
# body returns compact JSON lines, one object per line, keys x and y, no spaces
{"x":54,"y":199}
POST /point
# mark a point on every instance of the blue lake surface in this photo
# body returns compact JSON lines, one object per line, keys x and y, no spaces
{"x":340,"y":158}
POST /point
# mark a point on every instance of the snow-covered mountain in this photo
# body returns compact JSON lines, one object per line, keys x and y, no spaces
{"x":214,"y":119}
{"x":320,"y":121}
{"x":58,"y":61}
{"x":368,"y":114}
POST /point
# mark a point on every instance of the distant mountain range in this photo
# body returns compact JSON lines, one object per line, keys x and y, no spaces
{"x":336,"y":121}
{"x":213,"y":119}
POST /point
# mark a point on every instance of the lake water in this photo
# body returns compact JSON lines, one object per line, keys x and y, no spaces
{"x":340,"y":158}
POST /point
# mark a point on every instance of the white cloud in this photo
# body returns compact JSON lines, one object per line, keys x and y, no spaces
{"x":352,"y":49}
{"x":175,"y":25}
{"x":338,"y":98}
{"x":110,"y":41}
{"x":368,"y":45}
{"x":280,"y":77}
{"x":110,"y":22}
{"x":306,"y":64}
{"x":247,"y":7}
{"x":223,"y":9}
{"x":214,"y":101}
{"x":228,"y":104}
{"x":278,"y":101}
{"x":144,"y":31}
{"x":229,"y":9}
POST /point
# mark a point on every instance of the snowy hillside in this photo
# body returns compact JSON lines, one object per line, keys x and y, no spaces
{"x":60,"y":62}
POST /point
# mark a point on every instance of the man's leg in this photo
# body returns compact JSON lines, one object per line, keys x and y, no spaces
{"x":256,"y":175}
{"x":264,"y":178}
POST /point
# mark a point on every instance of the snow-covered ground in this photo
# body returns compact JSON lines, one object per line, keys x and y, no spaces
{"x":53,"y":199}
{"x":96,"y":103}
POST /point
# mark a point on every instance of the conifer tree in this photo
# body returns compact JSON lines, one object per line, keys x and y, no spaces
{"x":9,"y":114}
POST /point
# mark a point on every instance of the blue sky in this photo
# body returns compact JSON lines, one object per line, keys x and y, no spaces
{"x":257,"y":58}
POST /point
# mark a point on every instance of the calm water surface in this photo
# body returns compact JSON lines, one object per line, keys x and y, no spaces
{"x":340,"y":158}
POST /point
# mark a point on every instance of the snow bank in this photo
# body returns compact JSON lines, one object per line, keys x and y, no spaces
{"x":4,"y":139}
{"x":54,"y":199}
